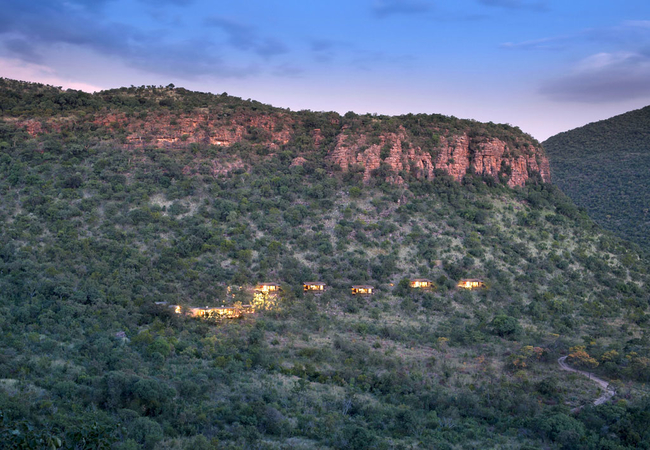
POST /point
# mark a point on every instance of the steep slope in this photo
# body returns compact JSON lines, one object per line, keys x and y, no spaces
{"x":98,"y":231}
{"x":604,"y":168}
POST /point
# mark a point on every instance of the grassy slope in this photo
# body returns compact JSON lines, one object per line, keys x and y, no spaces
{"x":603,"y":167}
{"x":93,"y":235}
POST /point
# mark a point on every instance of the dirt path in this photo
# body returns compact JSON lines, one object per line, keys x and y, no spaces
{"x":604,"y":385}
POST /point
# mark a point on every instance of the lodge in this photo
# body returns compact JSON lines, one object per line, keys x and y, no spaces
{"x":471,"y":283}
{"x":421,"y":283}
{"x":222,"y":312}
{"x":268,"y":288}
{"x":313,"y":286}
{"x":362,"y":289}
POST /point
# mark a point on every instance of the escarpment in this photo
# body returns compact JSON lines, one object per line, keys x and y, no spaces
{"x":395,"y":148}
{"x":455,"y":155}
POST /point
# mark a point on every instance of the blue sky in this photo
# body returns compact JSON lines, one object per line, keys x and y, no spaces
{"x":543,"y":65}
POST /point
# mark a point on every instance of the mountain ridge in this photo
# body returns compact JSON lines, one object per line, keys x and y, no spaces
{"x":603,"y":166}
{"x":420,"y":145}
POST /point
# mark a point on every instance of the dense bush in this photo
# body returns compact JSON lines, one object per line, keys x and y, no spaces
{"x":99,"y":239}
{"x":602,"y":167}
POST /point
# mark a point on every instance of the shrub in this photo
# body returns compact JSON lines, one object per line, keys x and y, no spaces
{"x":145,"y":432}
{"x":503,"y":325}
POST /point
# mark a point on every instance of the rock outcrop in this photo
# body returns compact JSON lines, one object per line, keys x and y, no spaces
{"x":418,"y":146}
{"x":457,"y":156}
{"x":175,"y":130}
{"x":203,"y":129}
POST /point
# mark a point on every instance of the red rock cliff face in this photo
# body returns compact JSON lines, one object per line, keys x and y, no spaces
{"x":177,"y":130}
{"x":205,"y":129}
{"x":456,"y":156}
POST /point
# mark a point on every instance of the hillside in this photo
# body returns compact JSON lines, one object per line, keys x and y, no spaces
{"x":604,"y":168}
{"x":98,"y":231}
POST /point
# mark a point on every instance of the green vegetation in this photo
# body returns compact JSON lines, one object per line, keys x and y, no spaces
{"x":39,"y":102}
{"x":94,"y":234}
{"x":604,"y":168}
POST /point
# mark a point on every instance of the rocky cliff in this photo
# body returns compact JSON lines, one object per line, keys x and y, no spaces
{"x":418,"y":145}
{"x":456,"y":155}
{"x":164,"y":129}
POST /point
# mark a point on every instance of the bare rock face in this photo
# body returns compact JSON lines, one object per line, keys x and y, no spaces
{"x":317,"y":136}
{"x":456,"y":156}
{"x":209,"y":130}
{"x":360,"y":147}
{"x":33,"y":127}
{"x":299,"y":161}
{"x":179,"y":130}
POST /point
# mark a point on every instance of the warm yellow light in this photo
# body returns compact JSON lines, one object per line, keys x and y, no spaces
{"x":470,"y":284}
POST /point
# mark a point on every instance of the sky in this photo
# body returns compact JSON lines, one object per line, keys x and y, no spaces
{"x":545,"y":66}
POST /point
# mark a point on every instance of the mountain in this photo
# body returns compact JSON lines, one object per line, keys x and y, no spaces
{"x":604,"y":168}
{"x":111,"y":217}
{"x":419,"y":145}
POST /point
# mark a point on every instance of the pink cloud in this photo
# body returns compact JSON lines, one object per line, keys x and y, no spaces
{"x":25,"y":71}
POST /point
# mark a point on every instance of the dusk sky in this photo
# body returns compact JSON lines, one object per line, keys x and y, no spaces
{"x":543,"y":65}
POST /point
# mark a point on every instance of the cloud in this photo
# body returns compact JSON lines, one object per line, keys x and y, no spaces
{"x":603,"y":78}
{"x":385,"y":8}
{"x":22,"y":48}
{"x":288,"y":71}
{"x":322,"y":45}
{"x":324,"y":50}
{"x":548,"y":43}
{"x":20,"y":70}
{"x":31,"y":29}
{"x":627,"y":34}
{"x":44,"y":23}
{"x":369,"y":60}
{"x":188,"y":59}
{"x":539,"y":5}
{"x":245,"y":37}
{"x":637,"y":24}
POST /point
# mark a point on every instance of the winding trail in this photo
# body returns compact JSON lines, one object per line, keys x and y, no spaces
{"x":608,"y":391}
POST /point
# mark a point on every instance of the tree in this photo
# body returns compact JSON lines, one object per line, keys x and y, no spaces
{"x":145,"y":432}
{"x":579,"y":357}
{"x":562,"y":429}
{"x":403,"y":288}
{"x":503,"y":325}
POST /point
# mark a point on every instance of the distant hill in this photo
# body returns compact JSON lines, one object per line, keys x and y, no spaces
{"x":605,"y":168}
{"x":117,"y":205}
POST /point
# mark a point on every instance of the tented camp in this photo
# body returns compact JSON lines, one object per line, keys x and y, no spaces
{"x":313,"y":286}
{"x":362,"y":290}
{"x":222,"y":312}
{"x":471,"y":283}
{"x":268,"y":288}
{"x":421,"y":283}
